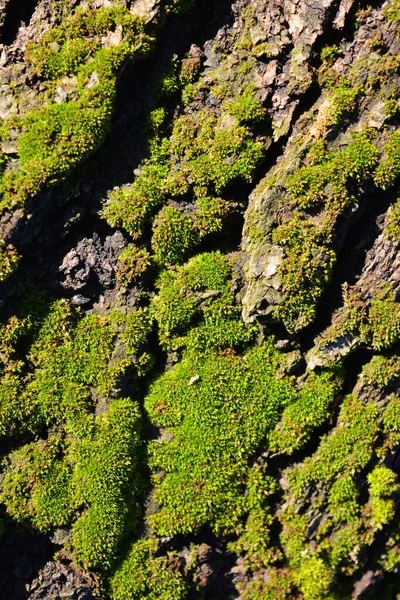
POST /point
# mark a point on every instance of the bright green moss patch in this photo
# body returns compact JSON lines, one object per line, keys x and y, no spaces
{"x":143,"y":574}
{"x":327,"y":181}
{"x":174,"y":236}
{"x":199,"y":292}
{"x":254,"y":543}
{"x":106,"y":483}
{"x":383,"y":321}
{"x":305,"y":272}
{"x":246,"y":107}
{"x":388,"y":171}
{"x":309,"y":411}
{"x":381,"y":371}
{"x":217,"y":423}
{"x":37,"y":485}
{"x":89,"y":478}
{"x":331,"y":483}
{"x":344,"y":100}
{"x":349,"y":447}
{"x":131,"y":207}
{"x":219,"y":407}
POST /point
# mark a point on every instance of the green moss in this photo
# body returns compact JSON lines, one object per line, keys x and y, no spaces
{"x":383,"y":321}
{"x":169,"y":82}
{"x":37,"y":485}
{"x":105,"y":483}
{"x":217,"y":422}
{"x":393,"y":226}
{"x":56,"y":137}
{"x":309,"y":411}
{"x":382,"y":371}
{"x":327,"y":182}
{"x":314,"y":578}
{"x":199,"y":158}
{"x":132,"y":263}
{"x":271,"y":584}
{"x":392,"y":10}
{"x":246,"y":107}
{"x":388,"y":171}
{"x":391,"y":421}
{"x":308,"y":186}
{"x":305,"y":271}
{"x":67,"y":365}
{"x":254,"y":543}
{"x":392,"y":107}
{"x":329,"y":54}
{"x":210,"y":213}
{"x":86,"y":478}
{"x":131,"y":207}
{"x":199,"y":294}
{"x":174,"y":236}
{"x":8,"y":259}
{"x":59,"y":368}
{"x":134,"y":330}
{"x":145,"y":575}
{"x":189,"y":291}
{"x":344,"y":101}
{"x":348,"y":448}
{"x":218,"y":408}
{"x":343,"y":499}
{"x":382,"y":482}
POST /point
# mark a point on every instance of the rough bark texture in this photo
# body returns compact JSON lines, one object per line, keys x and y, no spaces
{"x":264,"y":130}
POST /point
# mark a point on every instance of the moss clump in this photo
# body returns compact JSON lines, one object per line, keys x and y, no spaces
{"x":392,"y":10}
{"x":349,"y":447}
{"x":87,"y":478}
{"x":393,"y":226}
{"x":382,"y":370}
{"x":216,"y":427}
{"x":134,"y":330}
{"x":174,"y":236}
{"x":309,"y":411}
{"x":383,"y":486}
{"x":388,"y":171}
{"x":143,"y":574}
{"x":383,"y":327}
{"x":200,"y":291}
{"x":246,"y":107}
{"x":213,"y":429}
{"x":131,"y":207}
{"x":37,"y":485}
{"x":328,"y":180}
{"x":344,"y":101}
{"x":331,"y":484}
{"x":210,"y":213}
{"x":305,"y":272}
{"x":391,"y":421}
{"x":106,"y":483}
{"x":132,"y":263}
